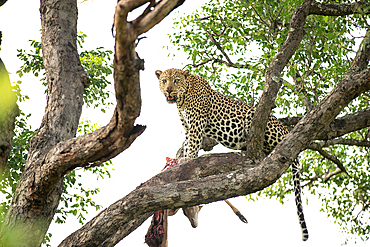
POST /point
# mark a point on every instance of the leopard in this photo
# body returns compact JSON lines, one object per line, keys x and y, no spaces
{"x":205,"y":112}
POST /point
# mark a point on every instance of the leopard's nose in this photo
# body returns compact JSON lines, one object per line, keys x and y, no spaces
{"x":169,"y":90}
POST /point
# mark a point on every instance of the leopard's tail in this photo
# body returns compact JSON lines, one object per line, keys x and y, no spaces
{"x":298,"y":200}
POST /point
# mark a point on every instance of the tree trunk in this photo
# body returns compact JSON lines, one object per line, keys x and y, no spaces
{"x":36,"y":198}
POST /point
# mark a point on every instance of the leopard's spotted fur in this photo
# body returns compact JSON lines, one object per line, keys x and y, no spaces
{"x":205,"y":112}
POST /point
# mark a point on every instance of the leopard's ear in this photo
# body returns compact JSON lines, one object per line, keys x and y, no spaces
{"x":186,"y":73}
{"x":158,"y":73}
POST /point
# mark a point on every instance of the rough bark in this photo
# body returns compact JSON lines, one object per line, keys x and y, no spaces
{"x":8,"y":112}
{"x":339,"y":127}
{"x":36,"y":197}
{"x":273,"y":81}
{"x":362,"y":56}
{"x":54,"y":151}
{"x":156,"y":195}
{"x":125,"y":230}
{"x":339,"y":9}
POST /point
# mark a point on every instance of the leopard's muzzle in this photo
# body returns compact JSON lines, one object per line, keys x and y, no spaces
{"x":171,"y":99}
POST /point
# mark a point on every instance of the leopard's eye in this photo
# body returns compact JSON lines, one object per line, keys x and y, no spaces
{"x":164,"y":81}
{"x":177,"y":80}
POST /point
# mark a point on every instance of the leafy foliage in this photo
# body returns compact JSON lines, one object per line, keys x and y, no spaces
{"x":95,"y":63}
{"x":17,"y":159}
{"x":232,"y":43}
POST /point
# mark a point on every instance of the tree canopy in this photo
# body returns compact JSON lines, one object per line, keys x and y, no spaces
{"x":304,"y":59}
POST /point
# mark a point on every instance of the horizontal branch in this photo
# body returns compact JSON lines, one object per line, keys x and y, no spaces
{"x":339,"y":9}
{"x":170,"y":189}
{"x":339,"y":127}
{"x":346,"y":124}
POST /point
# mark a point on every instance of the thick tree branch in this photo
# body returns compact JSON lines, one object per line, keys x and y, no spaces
{"x":273,"y":81}
{"x":339,"y":9}
{"x":340,"y":126}
{"x":107,"y":142}
{"x":347,"y":124}
{"x":2,"y":2}
{"x":126,"y":230}
{"x":189,"y":171}
{"x":148,"y":20}
{"x":290,"y":121}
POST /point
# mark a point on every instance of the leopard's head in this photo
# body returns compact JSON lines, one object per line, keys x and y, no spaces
{"x":173,"y":84}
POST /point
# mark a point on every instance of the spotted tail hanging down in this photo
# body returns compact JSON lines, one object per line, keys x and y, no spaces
{"x":298,"y":200}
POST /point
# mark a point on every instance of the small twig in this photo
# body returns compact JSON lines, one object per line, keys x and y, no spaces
{"x":311,"y":180}
{"x":340,"y":141}
{"x":219,"y":47}
{"x":334,"y":159}
{"x":331,"y":174}
{"x":281,"y":9}
{"x":224,"y":25}
{"x":260,"y":18}
{"x":216,"y":60}
{"x":140,"y":38}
